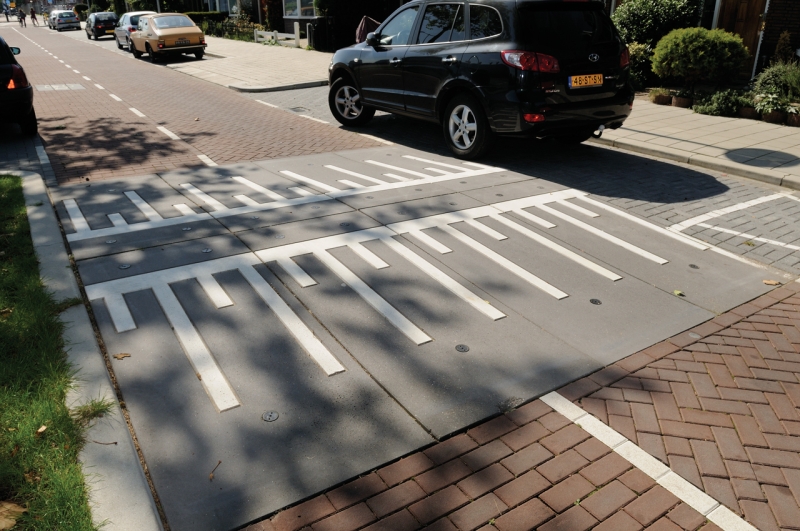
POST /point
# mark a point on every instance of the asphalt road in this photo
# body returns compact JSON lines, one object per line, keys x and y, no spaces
{"x":307,"y":318}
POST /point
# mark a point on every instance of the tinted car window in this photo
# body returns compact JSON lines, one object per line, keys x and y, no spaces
{"x":6,"y":57}
{"x":106,"y":16}
{"x":173,"y":22}
{"x":484,"y":22}
{"x":134,"y":20}
{"x":438,"y":23}
{"x":398,"y":31}
{"x":565,"y":26}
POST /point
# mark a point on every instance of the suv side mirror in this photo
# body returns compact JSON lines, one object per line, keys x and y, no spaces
{"x":15,"y":50}
{"x":373,"y":40}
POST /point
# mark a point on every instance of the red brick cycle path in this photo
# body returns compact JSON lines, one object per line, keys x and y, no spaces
{"x":718,"y":404}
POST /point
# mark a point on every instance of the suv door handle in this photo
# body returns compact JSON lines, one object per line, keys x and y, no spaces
{"x":450,"y":60}
{"x":395,"y":61}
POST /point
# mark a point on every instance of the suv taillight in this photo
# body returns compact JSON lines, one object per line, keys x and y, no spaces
{"x":625,"y":59}
{"x":18,"y":79}
{"x":530,"y":61}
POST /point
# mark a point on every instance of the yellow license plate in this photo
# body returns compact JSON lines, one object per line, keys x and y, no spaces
{"x":109,"y":31}
{"x":591,"y":80}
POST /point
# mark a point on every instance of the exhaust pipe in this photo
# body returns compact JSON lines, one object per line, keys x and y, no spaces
{"x":599,"y":132}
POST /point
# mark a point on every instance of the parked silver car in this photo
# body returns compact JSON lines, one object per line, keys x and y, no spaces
{"x":126,"y":25}
{"x":61,"y":20}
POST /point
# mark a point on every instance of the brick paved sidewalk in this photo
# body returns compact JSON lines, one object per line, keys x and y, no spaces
{"x":718,"y":404}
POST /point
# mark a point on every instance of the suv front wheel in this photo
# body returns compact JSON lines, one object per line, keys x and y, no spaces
{"x":466,"y":129}
{"x":344,"y":100}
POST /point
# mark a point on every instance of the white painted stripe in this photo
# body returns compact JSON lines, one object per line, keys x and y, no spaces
{"x":505,"y":263}
{"x":727,"y":210}
{"x":578,"y":209}
{"x":59,"y":60}
{"x":246,"y":200}
{"x":115,"y":97}
{"x":430,"y":242}
{"x":87,"y":78}
{"x":293,"y":323}
{"x":144,"y":207}
{"x":76,"y":71}
{"x":117,"y":220}
{"x":312,"y":182}
{"x":606,"y":236}
{"x":301,"y":191}
{"x":351,"y":184}
{"x":439,"y":171}
{"x":169,"y":133}
{"x":207,"y":160}
{"x":643,"y":223}
{"x":397,"y":319}
{"x":119,"y":312}
{"x":354,"y":174}
{"x":214,"y":291}
{"x":184,"y":209}
{"x":137,"y":112}
{"x":312,"y":118}
{"x":446,"y":281}
{"x":100,"y":87}
{"x":442,"y":164}
{"x":486,"y":230}
{"x":376,"y":139}
{"x":669,"y":480}
{"x":204,"y":197}
{"x":368,"y":256}
{"x":68,"y":66}
{"x":750,"y":236}
{"x":203,"y":362}
{"x":268,"y":104}
{"x":397,"y":168}
{"x":258,"y":188}
{"x":296,"y":272}
{"x":535,"y":219}
{"x":398,"y":177}
{"x":563,"y":251}
{"x":76,"y":216}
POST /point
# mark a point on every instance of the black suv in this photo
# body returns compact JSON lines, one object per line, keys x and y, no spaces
{"x":16,"y":93}
{"x":482,"y":68}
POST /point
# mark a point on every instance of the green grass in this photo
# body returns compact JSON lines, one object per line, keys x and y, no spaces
{"x":38,"y":471}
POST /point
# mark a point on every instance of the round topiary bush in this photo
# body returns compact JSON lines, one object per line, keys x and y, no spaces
{"x":699,"y":55}
{"x":647,"y":21}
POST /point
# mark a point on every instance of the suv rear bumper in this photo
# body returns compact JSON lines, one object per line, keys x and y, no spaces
{"x":16,"y":104}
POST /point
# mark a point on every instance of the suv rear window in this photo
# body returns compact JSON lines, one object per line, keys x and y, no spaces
{"x":564,"y":25}
{"x":484,"y":22}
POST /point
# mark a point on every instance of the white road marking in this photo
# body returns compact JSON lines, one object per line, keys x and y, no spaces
{"x":59,"y":60}
{"x":354,"y":174}
{"x":258,"y":188}
{"x":117,"y":220}
{"x":144,"y":207}
{"x":439,"y":171}
{"x":397,"y":168}
{"x":376,"y":139}
{"x":486,"y":230}
{"x":308,"y":180}
{"x":707,"y":506}
{"x":214,"y":291}
{"x":398,"y":177}
{"x":204,"y":197}
{"x":246,"y":200}
{"x":76,"y":71}
{"x":207,"y":160}
{"x":301,"y":191}
{"x":169,"y":133}
{"x":351,"y":184}
{"x":184,"y":209}
{"x":87,"y":78}
{"x":137,"y":112}
{"x":119,"y":312}
{"x":536,"y":219}
{"x":100,"y":87}
{"x":750,"y":236}
{"x":268,"y":104}
{"x":312,"y":118}
{"x":368,"y":256}
{"x":430,"y":242}
{"x":727,"y":210}
{"x":76,"y":216}
{"x":296,"y":272}
{"x":579,"y":209}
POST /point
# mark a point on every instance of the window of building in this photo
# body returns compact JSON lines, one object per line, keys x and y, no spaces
{"x":299,"y":8}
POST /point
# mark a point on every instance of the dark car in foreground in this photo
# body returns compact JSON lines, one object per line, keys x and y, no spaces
{"x":483,"y":68}
{"x":16,"y":93}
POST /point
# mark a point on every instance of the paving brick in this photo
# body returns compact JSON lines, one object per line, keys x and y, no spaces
{"x":608,"y":500}
{"x":395,"y":498}
{"x":609,"y":467}
{"x":752,"y":358}
{"x":356,"y":491}
{"x":686,"y":517}
{"x":526,"y":459}
{"x":706,"y":418}
{"x":728,"y":443}
{"x":635,"y":362}
{"x":651,"y":505}
{"x":497,"y":427}
{"x":527,"y":516}
{"x":691,"y":368}
{"x":759,"y":385}
{"x":747,"y":489}
{"x":654,"y":445}
{"x":487,"y":479}
{"x":636,"y":480}
{"x":759,"y":514}
{"x":525,"y":486}
{"x":776,"y":376}
{"x":644,"y":418}
{"x":686,"y":431}
{"x":405,"y":468}
{"x":562,"y":466}
{"x":439,"y":504}
{"x":793,"y":480}
{"x":564,"y":439}
{"x":776,"y":458}
{"x":748,"y":430}
{"x":766,"y":418}
{"x":684,"y":395}
{"x":529,"y":412}
{"x":525,"y":435}
{"x":554,"y":421}
{"x":566,"y":493}
{"x":721,"y":490}
{"x":451,"y":448}
{"x":720,"y":375}
{"x":637,"y":395}
{"x":609,"y":375}
{"x":783,"y":505}
{"x":443,"y":475}
{"x":347,"y":520}
{"x":301,"y":515}
{"x":579,"y":389}
{"x":486,"y":455}
{"x":737,"y":366}
{"x":782,"y":406}
{"x":575,"y":519}
{"x":659,"y":350}
{"x":623,"y":425}
{"x":724,"y":406}
{"x":678,"y":446}
{"x":595,"y":407}
{"x":703,"y":385}
{"x":792,"y":428}
{"x":658,"y":386}
{"x":620,"y":521}
{"x":708,"y":459}
{"x":615,"y":407}
{"x":686,"y":467}
{"x":592,"y":449}
{"x":400,"y":521}
{"x":666,"y":408}
{"x":609,"y":393}
{"x":793,"y":392}
{"x":769,"y":475}
{"x":477,"y":513}
{"x":783,"y":442}
{"x":443,"y":524}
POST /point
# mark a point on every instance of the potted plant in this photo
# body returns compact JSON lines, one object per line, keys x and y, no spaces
{"x":772,"y":108}
{"x":682,"y":99}
{"x":747,"y":107}
{"x":661,"y":96}
{"x":793,"y":115}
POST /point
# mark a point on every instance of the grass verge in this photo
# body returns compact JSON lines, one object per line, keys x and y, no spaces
{"x":39,"y":469}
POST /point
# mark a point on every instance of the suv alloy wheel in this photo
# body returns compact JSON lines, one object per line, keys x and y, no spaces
{"x":344,"y":100}
{"x":466,"y":129}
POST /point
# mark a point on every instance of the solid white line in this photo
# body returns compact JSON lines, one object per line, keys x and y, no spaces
{"x":397,"y":168}
{"x":428,"y":161}
{"x":578,"y":209}
{"x":296,"y":272}
{"x":439,"y":171}
{"x":368,"y":256}
{"x":268,"y":104}
{"x":750,"y":236}
{"x":312,"y":118}
{"x":301,"y":191}
{"x":144,"y":207}
{"x":486,"y":230}
{"x":203,"y":362}
{"x":354,"y":174}
{"x":430,"y":241}
{"x":446,"y":281}
{"x":246,"y":200}
{"x":293,"y":323}
{"x":312,"y":182}
{"x":119,"y":313}
{"x":207,"y":160}
{"x":675,"y":484}
{"x":184,"y":209}
{"x":214,"y":291}
{"x":258,"y":188}
{"x":204,"y":197}
{"x":727,"y":210}
{"x":530,"y":217}
{"x":504,"y":262}
{"x":76,"y":216}
{"x":169,"y":133}
{"x":100,"y":87}
{"x":117,"y":220}
{"x":137,"y":112}
{"x":398,"y":177}
{"x":351,"y":184}
{"x":376,"y":139}
{"x":397,"y":319}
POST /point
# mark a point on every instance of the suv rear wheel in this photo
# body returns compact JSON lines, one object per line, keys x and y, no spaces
{"x":28,"y":124}
{"x":344,"y":100}
{"x":466,"y":129}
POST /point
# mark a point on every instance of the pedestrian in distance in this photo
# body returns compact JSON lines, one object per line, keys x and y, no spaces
{"x":21,"y":18}
{"x":33,"y":16}
{"x":5,"y":12}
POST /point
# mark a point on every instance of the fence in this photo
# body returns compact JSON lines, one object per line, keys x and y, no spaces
{"x":231,"y":30}
{"x":262,"y":36}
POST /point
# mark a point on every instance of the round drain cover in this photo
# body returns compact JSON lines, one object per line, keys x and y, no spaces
{"x":695,"y":335}
{"x":462,"y":348}
{"x":596,"y":302}
{"x":186,"y":229}
{"x":124,"y":266}
{"x":270,"y":416}
{"x":694,"y":266}
{"x":111,"y":241}
{"x":207,"y":250}
{"x":279,"y":236}
{"x":253,"y":217}
{"x":345,"y":224}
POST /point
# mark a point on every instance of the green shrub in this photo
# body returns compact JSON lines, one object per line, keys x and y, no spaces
{"x":660,"y":91}
{"x":647,"y":21}
{"x":198,"y":17}
{"x":80,"y":10}
{"x":641,"y":65}
{"x":699,"y":55}
{"x":722,"y":103}
{"x":767,"y":103}
{"x":780,"y":78}
{"x":784,"y":53}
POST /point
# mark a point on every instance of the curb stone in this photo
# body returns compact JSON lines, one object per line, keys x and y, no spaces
{"x":247,"y":88}
{"x":119,"y":496}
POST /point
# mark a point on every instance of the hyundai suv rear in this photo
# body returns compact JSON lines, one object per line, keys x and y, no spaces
{"x":483,"y":68}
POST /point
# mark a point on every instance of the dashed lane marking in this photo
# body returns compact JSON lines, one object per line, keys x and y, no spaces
{"x":99,"y":86}
{"x":137,"y":112}
{"x":87,"y":78}
{"x":169,"y":133}
{"x":207,"y":160}
{"x":115,"y":97}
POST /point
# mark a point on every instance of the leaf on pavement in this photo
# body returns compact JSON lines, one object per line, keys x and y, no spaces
{"x":211,"y":475}
{"x":9,"y":512}
{"x":122,"y":355}
{"x":772,"y":283}
{"x":679,"y":293}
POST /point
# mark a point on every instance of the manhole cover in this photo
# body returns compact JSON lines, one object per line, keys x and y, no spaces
{"x":695,"y":335}
{"x":345,"y":224}
{"x":185,"y":229}
{"x":111,"y":241}
{"x":270,"y":416}
{"x":279,"y":236}
{"x":124,"y":266}
{"x":207,"y":250}
{"x":253,"y":217}
{"x":462,"y":348}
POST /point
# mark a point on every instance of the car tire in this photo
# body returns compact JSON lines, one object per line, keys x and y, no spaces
{"x":344,"y":100}
{"x":119,"y":46}
{"x":88,"y":36}
{"x":199,"y":55}
{"x":150,"y":54}
{"x":28,"y":124}
{"x":576,"y":137}
{"x":136,"y":53}
{"x":94,"y":35}
{"x":466,"y":129}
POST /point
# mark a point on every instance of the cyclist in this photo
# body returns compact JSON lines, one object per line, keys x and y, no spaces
{"x":33,"y":16}
{"x":5,"y":12}
{"x":21,"y":18}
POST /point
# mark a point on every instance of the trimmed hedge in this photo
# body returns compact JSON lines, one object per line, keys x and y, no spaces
{"x":198,"y":17}
{"x":647,"y":21}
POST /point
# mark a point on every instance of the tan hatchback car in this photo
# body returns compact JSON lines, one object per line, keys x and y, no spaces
{"x":167,"y":34}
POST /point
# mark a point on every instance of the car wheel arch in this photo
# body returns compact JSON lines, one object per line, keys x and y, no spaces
{"x":451,"y":90}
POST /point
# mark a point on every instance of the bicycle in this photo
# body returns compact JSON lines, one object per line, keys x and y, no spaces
{"x":22,"y":23}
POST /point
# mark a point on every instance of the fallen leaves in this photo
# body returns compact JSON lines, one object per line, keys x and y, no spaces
{"x":211,"y":475}
{"x":678,"y":293}
{"x":41,"y":430}
{"x":772,"y":283}
{"x":9,"y":512}
{"x":749,"y":243}
{"x":122,"y":355}
{"x":31,"y":477}
{"x":5,"y":312}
